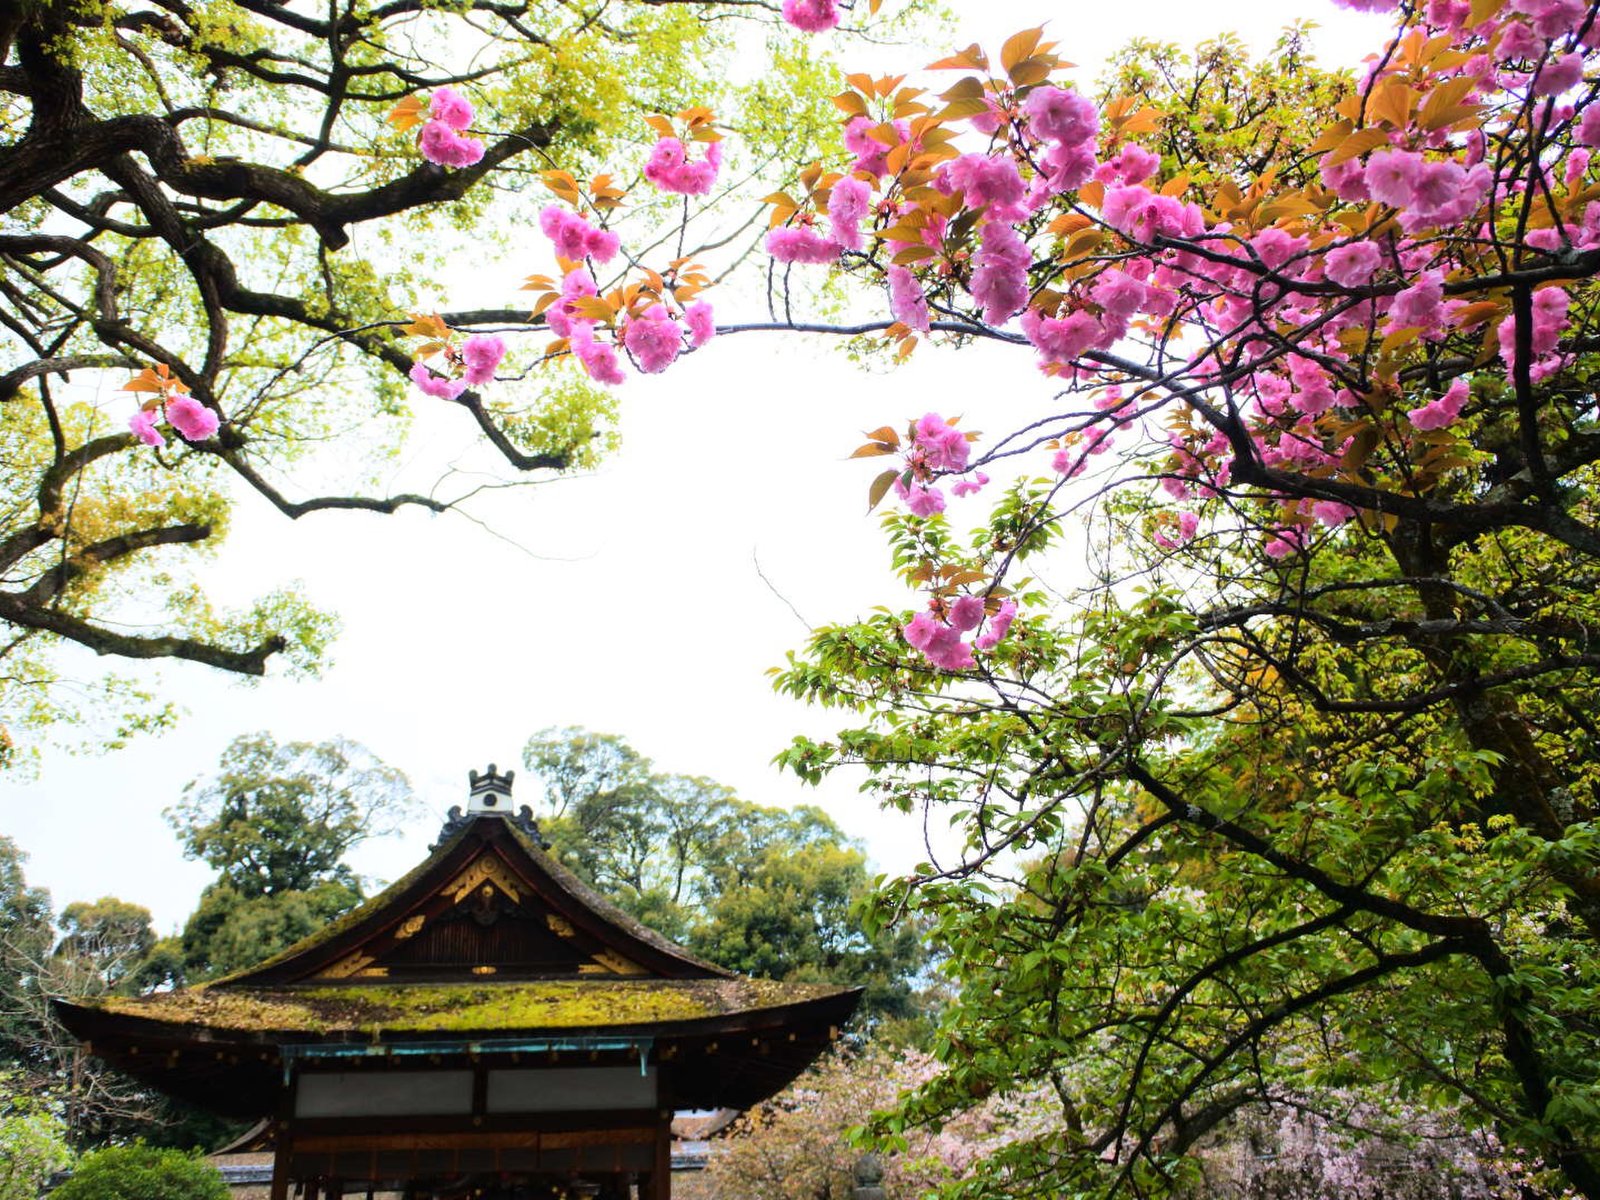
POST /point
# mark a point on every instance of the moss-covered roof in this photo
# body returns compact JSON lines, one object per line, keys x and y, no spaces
{"x":370,"y":1010}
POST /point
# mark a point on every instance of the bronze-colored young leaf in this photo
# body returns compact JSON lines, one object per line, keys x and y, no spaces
{"x":880,"y":488}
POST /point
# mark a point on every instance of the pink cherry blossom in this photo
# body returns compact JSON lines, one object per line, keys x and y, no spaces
{"x":143,"y":423}
{"x":1419,"y":306}
{"x":1549,"y":320}
{"x":801,"y":244}
{"x":450,"y":108}
{"x":1551,"y":18}
{"x":192,"y":419}
{"x":871,"y":154}
{"x":943,"y":447}
{"x":1132,"y":164}
{"x":702,"y":324}
{"x":987,"y":182}
{"x":1519,"y":41}
{"x":811,"y":16}
{"x":1346,"y":179}
{"x":442,"y":145}
{"x":1118,"y":293}
{"x":653,"y":339}
{"x":1056,"y":115}
{"x":574,"y":238}
{"x":481,"y":354}
{"x":1352,"y":265}
{"x":1588,"y":130}
{"x":1000,"y":283}
{"x":906,"y":302}
{"x":1391,"y":177}
{"x":971,"y":485}
{"x":598,"y":359}
{"x":1060,"y":340}
{"x":672,"y":170}
{"x":441,"y":387}
{"x":922,"y":501}
{"x":999,"y":626}
{"x":1286,"y":541}
{"x":966,"y":612}
{"x":1444,"y":410}
{"x":847,"y":205}
{"x":1560,"y":73}
{"x":947,"y":651}
{"x":919,"y":631}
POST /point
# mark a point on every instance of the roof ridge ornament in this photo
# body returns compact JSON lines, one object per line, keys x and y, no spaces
{"x":489,"y":794}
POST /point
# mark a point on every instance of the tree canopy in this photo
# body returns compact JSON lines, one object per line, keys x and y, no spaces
{"x":276,"y":821}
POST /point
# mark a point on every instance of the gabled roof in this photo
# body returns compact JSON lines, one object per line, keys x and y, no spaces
{"x":488,"y":902}
{"x":488,"y":949}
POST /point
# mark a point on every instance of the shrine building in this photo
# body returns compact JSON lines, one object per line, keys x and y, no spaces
{"x":487,"y":1028}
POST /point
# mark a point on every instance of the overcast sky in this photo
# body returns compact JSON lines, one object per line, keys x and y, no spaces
{"x":648,"y":599}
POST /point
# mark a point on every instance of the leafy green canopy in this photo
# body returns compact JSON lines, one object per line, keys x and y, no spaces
{"x":211,"y":191}
{"x":769,"y":892}
{"x":276,"y":821}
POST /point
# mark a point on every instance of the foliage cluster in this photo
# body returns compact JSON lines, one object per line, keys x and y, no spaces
{"x":767,"y":892}
{"x":140,"y":1172}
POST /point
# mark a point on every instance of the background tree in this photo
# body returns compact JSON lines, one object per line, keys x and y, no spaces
{"x":27,"y":934}
{"x":33,"y":1144}
{"x":276,"y":822}
{"x":764,"y":891}
{"x":104,"y":946}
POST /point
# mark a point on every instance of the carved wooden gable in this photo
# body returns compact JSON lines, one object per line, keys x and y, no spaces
{"x":488,"y":903}
{"x":487,"y":919}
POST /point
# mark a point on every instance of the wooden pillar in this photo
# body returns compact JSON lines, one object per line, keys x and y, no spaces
{"x":280,"y":1163}
{"x":657,"y":1185}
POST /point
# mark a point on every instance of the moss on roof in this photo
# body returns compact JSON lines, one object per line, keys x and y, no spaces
{"x":373,"y":1009}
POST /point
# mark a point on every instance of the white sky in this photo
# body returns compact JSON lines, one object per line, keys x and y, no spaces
{"x":629,"y":601}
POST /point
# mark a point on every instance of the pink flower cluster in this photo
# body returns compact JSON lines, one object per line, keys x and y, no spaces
{"x":574,"y":238}
{"x":848,"y":202}
{"x":937,"y":448}
{"x":1000,"y":281}
{"x":193,"y":420}
{"x":441,"y":141}
{"x":1549,"y":320}
{"x":941,"y":641}
{"x":906,"y":301}
{"x":1427,"y":192}
{"x":479,"y":358}
{"x":654,"y":338}
{"x":811,"y":16}
{"x":801,"y":244}
{"x":1066,"y":124}
{"x":672,"y":170}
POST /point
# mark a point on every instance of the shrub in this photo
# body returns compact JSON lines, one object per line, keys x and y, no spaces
{"x":142,"y":1173}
